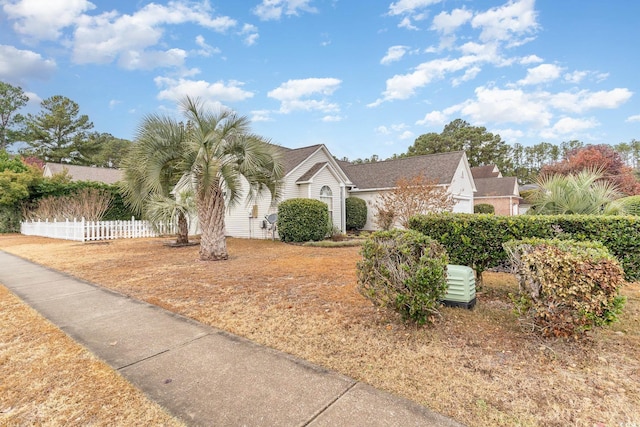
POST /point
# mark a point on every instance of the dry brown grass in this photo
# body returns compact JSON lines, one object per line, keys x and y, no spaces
{"x":478,"y":366}
{"x":48,"y":379}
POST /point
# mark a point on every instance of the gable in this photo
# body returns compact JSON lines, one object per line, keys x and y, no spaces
{"x":303,"y":163}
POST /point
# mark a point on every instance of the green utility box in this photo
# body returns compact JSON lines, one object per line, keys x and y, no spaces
{"x":461,"y":291}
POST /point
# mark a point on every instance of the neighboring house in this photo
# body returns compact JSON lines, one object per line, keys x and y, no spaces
{"x":446,"y":169}
{"x":83,"y":173}
{"x":496,"y":190}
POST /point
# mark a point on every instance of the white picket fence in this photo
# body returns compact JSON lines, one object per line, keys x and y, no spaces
{"x":82,"y":231}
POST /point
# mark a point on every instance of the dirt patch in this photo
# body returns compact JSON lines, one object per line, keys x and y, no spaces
{"x":480,"y":367}
{"x":48,"y":379}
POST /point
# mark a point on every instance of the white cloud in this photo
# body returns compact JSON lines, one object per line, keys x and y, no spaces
{"x":568,"y":126}
{"x":17,"y":65}
{"x":298,"y":94}
{"x":509,"y":135}
{"x":261,"y":116}
{"x":633,"y":119}
{"x":531,"y":59}
{"x":494,"y":105}
{"x":403,"y":86}
{"x":270,"y":10}
{"x":409,"y":6}
{"x":581,"y":101}
{"x":406,"y":135}
{"x":251,"y":34}
{"x":508,"y":23}
{"x":434,"y":118}
{"x":113,"y":103}
{"x":383,"y":130}
{"x":332,"y":118}
{"x":109,"y":36}
{"x":218,"y":92}
{"x":469,"y":74}
{"x":543,"y":73}
{"x":394,"y":53}
{"x":536,"y":109}
{"x":406,"y":23}
{"x":150,"y":59}
{"x":45,"y":19}
{"x":447,"y":23}
{"x":576,"y":76}
{"x":205,"y":49}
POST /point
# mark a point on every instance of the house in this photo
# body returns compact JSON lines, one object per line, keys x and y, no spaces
{"x":494,"y":189}
{"x":83,"y":173}
{"x":312,"y":172}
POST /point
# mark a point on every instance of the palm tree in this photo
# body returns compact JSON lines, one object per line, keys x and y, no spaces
{"x":581,"y":193}
{"x":217,"y":157}
{"x":152,"y":168}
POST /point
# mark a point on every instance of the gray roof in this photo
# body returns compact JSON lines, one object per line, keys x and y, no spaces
{"x":86,"y":173}
{"x":292,"y":157}
{"x":311,"y":172}
{"x":497,"y":187}
{"x":485,"y":171}
{"x":434,"y":167}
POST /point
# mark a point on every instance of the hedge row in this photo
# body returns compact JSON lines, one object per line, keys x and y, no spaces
{"x":476,"y":240}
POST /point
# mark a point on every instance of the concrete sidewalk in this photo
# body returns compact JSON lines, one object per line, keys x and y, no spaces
{"x":202,"y":375}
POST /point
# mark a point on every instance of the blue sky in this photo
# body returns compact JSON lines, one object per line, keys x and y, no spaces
{"x":362,"y":77}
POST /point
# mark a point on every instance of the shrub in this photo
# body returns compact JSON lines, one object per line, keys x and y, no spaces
{"x":59,"y":187}
{"x":476,"y":240}
{"x":567,"y":287}
{"x":10,"y":218}
{"x":356,"y":213}
{"x":302,"y":220}
{"x":484,"y":208}
{"x":404,"y":270}
{"x":88,"y":203}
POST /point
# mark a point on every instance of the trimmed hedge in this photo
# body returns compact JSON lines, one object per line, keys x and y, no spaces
{"x":566,"y":287}
{"x":356,"y":213}
{"x":404,"y":270}
{"x":302,"y":220}
{"x":484,"y":208}
{"x":476,"y":240}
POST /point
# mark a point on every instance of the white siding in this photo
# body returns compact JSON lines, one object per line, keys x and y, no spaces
{"x":369,"y":197}
{"x":462,"y":189}
{"x":240,"y":223}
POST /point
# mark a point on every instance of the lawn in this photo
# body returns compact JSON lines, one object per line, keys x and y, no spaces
{"x":480,"y":367}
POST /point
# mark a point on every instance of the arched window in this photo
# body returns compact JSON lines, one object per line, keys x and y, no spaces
{"x":326,"y":195}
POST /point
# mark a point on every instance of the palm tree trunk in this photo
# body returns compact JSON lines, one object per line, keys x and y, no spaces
{"x":213,"y":243}
{"x":182,"y":237}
